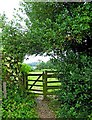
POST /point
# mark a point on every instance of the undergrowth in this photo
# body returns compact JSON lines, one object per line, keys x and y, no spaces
{"x":18,"y":106}
{"x":75,"y":93}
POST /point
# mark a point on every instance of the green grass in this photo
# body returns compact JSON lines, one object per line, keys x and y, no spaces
{"x":36,"y":70}
{"x":41,"y":83}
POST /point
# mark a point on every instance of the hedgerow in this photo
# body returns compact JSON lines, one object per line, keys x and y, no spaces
{"x":75,"y":93}
{"x":18,"y":106}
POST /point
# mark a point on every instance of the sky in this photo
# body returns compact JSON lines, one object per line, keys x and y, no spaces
{"x":8,"y":6}
{"x":38,"y":58}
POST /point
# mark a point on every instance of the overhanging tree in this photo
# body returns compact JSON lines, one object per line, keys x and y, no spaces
{"x":66,"y":29}
{"x":58,"y":25}
{"x":14,"y":49}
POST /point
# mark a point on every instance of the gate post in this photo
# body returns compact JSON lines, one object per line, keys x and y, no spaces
{"x":4,"y":89}
{"x":25,"y":81}
{"x":44,"y":77}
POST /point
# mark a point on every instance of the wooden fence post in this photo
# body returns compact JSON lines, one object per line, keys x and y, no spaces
{"x":44,"y":77}
{"x":4,"y":89}
{"x":26,"y":81}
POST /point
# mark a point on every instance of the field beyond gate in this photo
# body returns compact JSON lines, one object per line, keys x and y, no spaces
{"x":42,"y":83}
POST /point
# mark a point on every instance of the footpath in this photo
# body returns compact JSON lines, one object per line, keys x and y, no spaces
{"x":43,"y":109}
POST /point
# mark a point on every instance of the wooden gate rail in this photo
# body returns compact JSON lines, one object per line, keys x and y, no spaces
{"x":46,"y":87}
{"x":45,"y":75}
{"x":36,"y":81}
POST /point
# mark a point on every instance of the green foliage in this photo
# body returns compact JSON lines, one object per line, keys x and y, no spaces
{"x":25,"y":68}
{"x":41,"y":66}
{"x":13,"y":52}
{"x":61,"y":28}
{"x":64,"y":24}
{"x":47,"y":65}
{"x":13,"y":42}
{"x":16,"y":106}
{"x":11,"y":71}
{"x":75,"y":93}
{"x":66,"y":32}
{"x":10,"y":68}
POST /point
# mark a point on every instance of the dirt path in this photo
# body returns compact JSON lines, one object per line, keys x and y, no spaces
{"x":43,"y":110}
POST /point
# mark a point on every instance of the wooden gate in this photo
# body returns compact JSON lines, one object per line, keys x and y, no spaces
{"x":45,"y":83}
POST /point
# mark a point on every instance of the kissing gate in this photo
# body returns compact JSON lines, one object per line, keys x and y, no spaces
{"x":42,"y":84}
